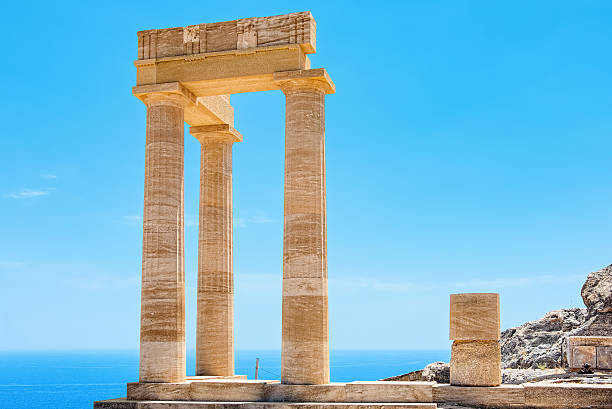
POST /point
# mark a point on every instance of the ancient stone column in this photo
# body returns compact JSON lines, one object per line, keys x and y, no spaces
{"x":162,"y":325}
{"x":215,"y":319}
{"x":305,"y":329}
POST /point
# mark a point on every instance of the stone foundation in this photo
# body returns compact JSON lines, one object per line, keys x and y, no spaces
{"x":273,"y":391}
{"x":242,"y":394}
{"x":126,"y":404}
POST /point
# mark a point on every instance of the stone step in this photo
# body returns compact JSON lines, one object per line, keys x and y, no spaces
{"x":273,"y":391}
{"x":132,"y":404}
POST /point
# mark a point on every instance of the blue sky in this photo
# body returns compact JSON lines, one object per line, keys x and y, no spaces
{"x":468,"y":149}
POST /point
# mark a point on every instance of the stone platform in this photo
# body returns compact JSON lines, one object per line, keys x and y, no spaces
{"x":230,"y":390}
{"x":211,"y":393}
{"x":130,"y":404}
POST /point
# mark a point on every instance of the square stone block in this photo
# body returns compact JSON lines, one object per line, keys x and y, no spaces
{"x":567,"y":395}
{"x":475,"y":363}
{"x":604,"y":357}
{"x":583,"y":354}
{"x":503,"y":396}
{"x":474,"y":317}
{"x":388,"y":391}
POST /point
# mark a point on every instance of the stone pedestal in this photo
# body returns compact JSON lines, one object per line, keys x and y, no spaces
{"x":305,"y":331}
{"x":474,"y":327}
{"x":215,"y":304}
{"x":475,"y":363}
{"x":162,"y":326}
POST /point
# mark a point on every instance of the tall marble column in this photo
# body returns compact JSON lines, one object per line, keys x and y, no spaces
{"x":162,"y":325}
{"x":305,"y":328}
{"x":215,"y":304}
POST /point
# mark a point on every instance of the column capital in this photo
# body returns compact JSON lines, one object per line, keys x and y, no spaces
{"x":219,"y":133}
{"x":315,"y":79}
{"x":168,"y":93}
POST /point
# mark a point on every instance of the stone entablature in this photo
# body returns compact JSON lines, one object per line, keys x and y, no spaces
{"x":246,"y":33}
{"x":229,"y":57}
{"x":596,"y":352}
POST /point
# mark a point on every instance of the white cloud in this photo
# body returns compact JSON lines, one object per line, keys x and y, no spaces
{"x":516,"y":282}
{"x":407,"y":286}
{"x":241,"y":222}
{"x":48,"y":176}
{"x":4,"y":264}
{"x":133,"y":220}
{"x":27,"y":194}
{"x":258,"y":283}
{"x":380,"y":285}
{"x":102,"y":282}
{"x":261,"y":220}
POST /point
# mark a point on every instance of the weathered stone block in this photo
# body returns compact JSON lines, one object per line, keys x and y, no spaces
{"x":570,"y":395}
{"x":604,"y":357}
{"x":223,"y":391}
{"x":331,"y":392}
{"x":582,"y":355}
{"x":158,"y":390}
{"x":474,"y":317}
{"x":381,"y":391}
{"x":475,"y":363}
{"x":503,"y":396}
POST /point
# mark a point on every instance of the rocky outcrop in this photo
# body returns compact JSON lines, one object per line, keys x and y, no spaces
{"x":597,"y":292}
{"x":437,"y":371}
{"x":597,"y":325}
{"x":538,"y":344}
{"x":518,"y":376}
{"x":597,"y":296}
{"x":434,"y":372}
{"x":440,"y":372}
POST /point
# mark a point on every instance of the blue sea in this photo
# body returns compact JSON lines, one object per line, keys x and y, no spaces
{"x":74,"y":380}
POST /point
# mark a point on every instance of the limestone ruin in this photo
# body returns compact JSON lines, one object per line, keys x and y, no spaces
{"x":187,"y":74}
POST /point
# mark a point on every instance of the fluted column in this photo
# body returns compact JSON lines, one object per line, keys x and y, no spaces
{"x":305,"y":328}
{"x":215,"y":303}
{"x":162,"y":325}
